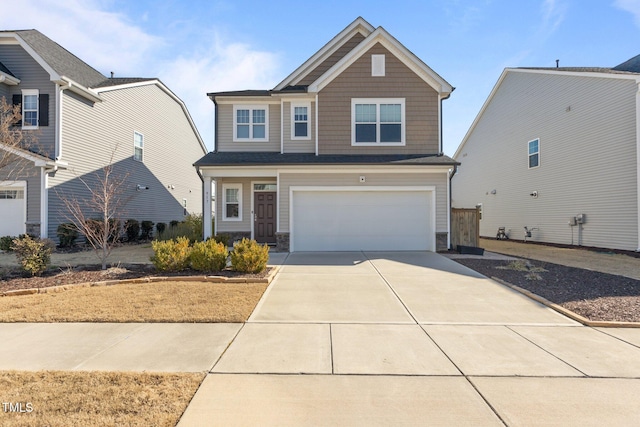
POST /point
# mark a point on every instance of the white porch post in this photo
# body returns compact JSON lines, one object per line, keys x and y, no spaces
{"x":44,"y":203}
{"x":206,"y":215}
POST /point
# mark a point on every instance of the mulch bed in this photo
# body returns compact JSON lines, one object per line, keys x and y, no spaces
{"x":12,"y":279}
{"x":594,"y":295}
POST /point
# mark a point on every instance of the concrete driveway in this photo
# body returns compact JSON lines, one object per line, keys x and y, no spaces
{"x":413,"y":338}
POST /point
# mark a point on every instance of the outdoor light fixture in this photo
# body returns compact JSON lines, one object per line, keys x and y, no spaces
{"x":141,"y":187}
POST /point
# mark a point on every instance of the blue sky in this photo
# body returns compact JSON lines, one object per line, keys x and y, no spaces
{"x":203,"y":46}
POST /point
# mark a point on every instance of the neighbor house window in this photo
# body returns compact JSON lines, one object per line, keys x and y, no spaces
{"x":138,"y":146}
{"x":232,"y":202}
{"x":250,"y":123}
{"x":534,"y":153}
{"x":300,"y":128}
{"x":30,"y":109}
{"x":377,"y":122}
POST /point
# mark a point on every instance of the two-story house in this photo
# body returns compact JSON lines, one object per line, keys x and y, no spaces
{"x":557,"y":150}
{"x":344,"y":154}
{"x":81,"y":121}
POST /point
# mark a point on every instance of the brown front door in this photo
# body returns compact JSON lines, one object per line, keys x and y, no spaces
{"x":264,"y":226}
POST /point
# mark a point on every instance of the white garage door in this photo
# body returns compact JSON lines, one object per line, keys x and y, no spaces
{"x":362,"y":220}
{"x":12,"y":211}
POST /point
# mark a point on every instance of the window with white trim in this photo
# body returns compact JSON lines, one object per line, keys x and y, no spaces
{"x":30,"y":108}
{"x":300,"y":120}
{"x":250,"y":123}
{"x":138,"y":146}
{"x":378,"y":121}
{"x":232,"y":202}
{"x":534,"y":153}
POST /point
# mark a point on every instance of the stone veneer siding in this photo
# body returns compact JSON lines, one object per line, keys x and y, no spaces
{"x":441,"y":242}
{"x":282,"y":240}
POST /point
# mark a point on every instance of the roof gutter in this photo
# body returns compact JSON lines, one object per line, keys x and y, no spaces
{"x":9,"y":80}
{"x":69,"y":84}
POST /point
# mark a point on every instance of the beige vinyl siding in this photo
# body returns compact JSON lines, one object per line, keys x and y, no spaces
{"x":225,"y":140}
{"x":297,"y":145}
{"x":586,"y":127}
{"x":245,"y":224}
{"x":439,"y":180}
{"x":332,"y":60}
{"x":32,"y":76}
{"x":421,"y":106}
{"x":92,"y":131}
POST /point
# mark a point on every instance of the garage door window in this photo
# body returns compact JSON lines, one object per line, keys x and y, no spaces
{"x":11,"y":194}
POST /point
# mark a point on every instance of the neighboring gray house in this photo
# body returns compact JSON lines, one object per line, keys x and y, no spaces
{"x":344,"y":154}
{"x":557,"y":150}
{"x":80,"y":118}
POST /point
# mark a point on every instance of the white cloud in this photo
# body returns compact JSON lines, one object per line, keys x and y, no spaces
{"x":552,"y":16}
{"x":631,"y":6}
{"x":111,"y":41}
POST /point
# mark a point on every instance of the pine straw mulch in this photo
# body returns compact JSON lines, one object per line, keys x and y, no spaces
{"x":591,"y":294}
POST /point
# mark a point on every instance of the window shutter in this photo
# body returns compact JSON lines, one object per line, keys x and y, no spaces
{"x":17,"y":100}
{"x":43,"y":110}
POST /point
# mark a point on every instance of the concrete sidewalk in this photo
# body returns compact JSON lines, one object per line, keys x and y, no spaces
{"x":399,"y":338}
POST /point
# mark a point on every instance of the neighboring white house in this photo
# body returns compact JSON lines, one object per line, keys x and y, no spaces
{"x":79,"y":118}
{"x":557,"y":150}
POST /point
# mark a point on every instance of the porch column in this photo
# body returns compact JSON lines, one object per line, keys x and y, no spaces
{"x":206,"y":215}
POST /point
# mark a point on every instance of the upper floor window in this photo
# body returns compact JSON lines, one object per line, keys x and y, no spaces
{"x":300,"y":128}
{"x":377,"y":121}
{"x":250,"y":123}
{"x":138,"y":146}
{"x":534,"y":153}
{"x":30,"y":108}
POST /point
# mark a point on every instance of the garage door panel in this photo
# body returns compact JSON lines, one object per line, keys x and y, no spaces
{"x":361,"y":220}
{"x":12,"y":211}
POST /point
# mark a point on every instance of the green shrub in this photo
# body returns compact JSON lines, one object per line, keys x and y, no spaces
{"x":171,"y":255}
{"x":209,"y":256}
{"x":67,"y":234}
{"x":174,"y":223}
{"x":5,"y":243}
{"x":194,"y":222}
{"x":146,"y":230}
{"x":97,"y":225}
{"x":222,"y":238}
{"x":249,"y":257}
{"x":160,"y":227}
{"x":132,"y":229}
{"x":34,"y":255}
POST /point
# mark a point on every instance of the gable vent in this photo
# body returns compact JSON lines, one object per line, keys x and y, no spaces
{"x":377,"y":65}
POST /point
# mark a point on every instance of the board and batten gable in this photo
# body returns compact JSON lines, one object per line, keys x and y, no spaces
{"x":586,"y":126}
{"x":92,"y":131}
{"x":421,"y":106}
{"x":32,"y":76}
{"x":224,"y":140}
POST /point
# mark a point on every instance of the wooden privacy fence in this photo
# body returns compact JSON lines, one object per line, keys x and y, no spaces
{"x":465,"y":227}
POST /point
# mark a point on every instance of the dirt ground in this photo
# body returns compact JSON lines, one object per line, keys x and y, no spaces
{"x":604,"y":261}
{"x":126,"y":254}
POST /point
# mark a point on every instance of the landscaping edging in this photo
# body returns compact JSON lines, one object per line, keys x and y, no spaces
{"x":148,"y":279}
{"x":570,"y":314}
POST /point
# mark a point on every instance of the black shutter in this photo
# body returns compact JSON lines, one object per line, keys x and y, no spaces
{"x":17,"y":100}
{"x":43,"y":110}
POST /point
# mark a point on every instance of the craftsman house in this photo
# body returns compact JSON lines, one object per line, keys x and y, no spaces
{"x":344,"y":154}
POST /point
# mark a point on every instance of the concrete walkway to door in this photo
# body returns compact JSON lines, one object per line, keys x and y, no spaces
{"x":404,"y":338}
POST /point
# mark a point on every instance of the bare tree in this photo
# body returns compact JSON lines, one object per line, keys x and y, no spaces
{"x":97,"y":214}
{"x":13,"y":141}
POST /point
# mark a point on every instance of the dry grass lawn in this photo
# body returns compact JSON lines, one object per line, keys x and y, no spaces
{"x":96,"y":398}
{"x":140,"y":302}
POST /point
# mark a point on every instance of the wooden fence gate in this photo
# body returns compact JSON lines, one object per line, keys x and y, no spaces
{"x":465,"y":227}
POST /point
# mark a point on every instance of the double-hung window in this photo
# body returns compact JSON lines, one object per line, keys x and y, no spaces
{"x":250,"y":123}
{"x":300,"y":128}
{"x":30,"y":108}
{"x":534,"y":153}
{"x":378,"y":121}
{"x":232,"y":202}
{"x":138,"y":146}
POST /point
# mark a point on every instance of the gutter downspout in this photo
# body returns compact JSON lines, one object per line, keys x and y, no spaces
{"x":59,"y":106}
{"x":451,"y":175}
